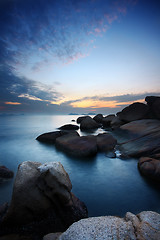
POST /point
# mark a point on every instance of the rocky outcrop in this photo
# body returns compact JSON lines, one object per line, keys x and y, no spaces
{"x":139,"y":138}
{"x":116,"y":123}
{"x":154,"y":104}
{"x":69,"y":127}
{"x":88,"y":123}
{"x":107,"y":120}
{"x":6,"y":173}
{"x":98,"y":118}
{"x":150,"y":167}
{"x":42,"y":201}
{"x":106,"y":142}
{"x":133,"y":112}
{"x":143,"y":226}
{"x":74,"y":145}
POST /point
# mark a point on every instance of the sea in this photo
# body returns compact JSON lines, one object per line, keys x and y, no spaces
{"x":108,"y":186}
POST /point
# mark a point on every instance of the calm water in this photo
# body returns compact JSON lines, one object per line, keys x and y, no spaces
{"x":107,"y":186}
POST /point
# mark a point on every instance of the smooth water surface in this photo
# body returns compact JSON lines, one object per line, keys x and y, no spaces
{"x":107,"y":186}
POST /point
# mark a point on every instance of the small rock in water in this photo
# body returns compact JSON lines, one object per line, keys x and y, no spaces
{"x":5,"y":173}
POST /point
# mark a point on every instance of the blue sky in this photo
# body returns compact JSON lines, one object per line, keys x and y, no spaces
{"x":61,"y":56}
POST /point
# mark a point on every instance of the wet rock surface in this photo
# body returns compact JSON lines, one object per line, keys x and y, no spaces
{"x":42,"y":193}
{"x":150,"y":167}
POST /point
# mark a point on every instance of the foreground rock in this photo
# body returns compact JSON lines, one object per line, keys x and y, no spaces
{"x":69,"y":127}
{"x":150,"y":167}
{"x":143,"y":226}
{"x":106,"y":142}
{"x":133,"y":112}
{"x":42,"y":201}
{"x":74,"y":145}
{"x":140,"y":138}
{"x":88,"y":123}
{"x":6,"y":173}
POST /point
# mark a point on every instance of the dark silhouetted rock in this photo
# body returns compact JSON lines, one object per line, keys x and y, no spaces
{"x":5,"y":172}
{"x":80,"y":119}
{"x":98,"y":118}
{"x":50,"y":137}
{"x":116,"y":123}
{"x":42,"y":201}
{"x":77,"y":146}
{"x":88,"y":123}
{"x":140,"y":138}
{"x":150,"y":167}
{"x":107,"y":120}
{"x":133,"y":112}
{"x":106,"y":142}
{"x":69,"y":127}
{"x":151,"y":99}
{"x":51,"y":236}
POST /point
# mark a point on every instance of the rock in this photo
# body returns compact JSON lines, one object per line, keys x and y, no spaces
{"x":116,"y":123}
{"x":52,"y":236}
{"x":150,"y":167}
{"x":50,"y":137}
{"x":154,"y":104}
{"x":42,"y":193}
{"x":73,"y":120}
{"x":107,"y":120}
{"x":144,"y":226}
{"x":69,"y":127}
{"x":139,"y":138}
{"x":98,"y":118}
{"x":80,"y":119}
{"x":3,"y":210}
{"x":84,"y":146}
{"x":6,"y":173}
{"x":88,"y":123}
{"x":111,"y":154}
{"x":16,"y":237}
{"x":105,"y":142}
{"x":133,"y":112}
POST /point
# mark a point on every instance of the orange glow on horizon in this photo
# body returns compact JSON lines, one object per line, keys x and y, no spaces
{"x":90,"y":103}
{"x":13,"y":103}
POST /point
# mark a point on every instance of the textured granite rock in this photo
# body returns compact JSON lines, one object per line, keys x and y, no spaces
{"x":144,"y":226}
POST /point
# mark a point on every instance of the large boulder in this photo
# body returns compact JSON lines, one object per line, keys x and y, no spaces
{"x":143,"y":226}
{"x":98,"y":118}
{"x":105,"y":142}
{"x":42,"y":201}
{"x":80,"y":119}
{"x":150,"y":167}
{"x":69,"y":127}
{"x":73,"y":145}
{"x":107,"y":120}
{"x":5,"y":173}
{"x":139,"y":138}
{"x":88,"y":123}
{"x":133,"y":112}
{"x":116,"y":123}
{"x":154,"y":104}
{"x":51,"y":137}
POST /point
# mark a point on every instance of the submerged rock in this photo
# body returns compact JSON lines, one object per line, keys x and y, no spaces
{"x":42,"y":201}
{"x":145,"y":225}
{"x":6,"y":173}
{"x":69,"y":127}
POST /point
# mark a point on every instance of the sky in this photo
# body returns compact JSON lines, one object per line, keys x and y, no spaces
{"x":78,"y":56}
